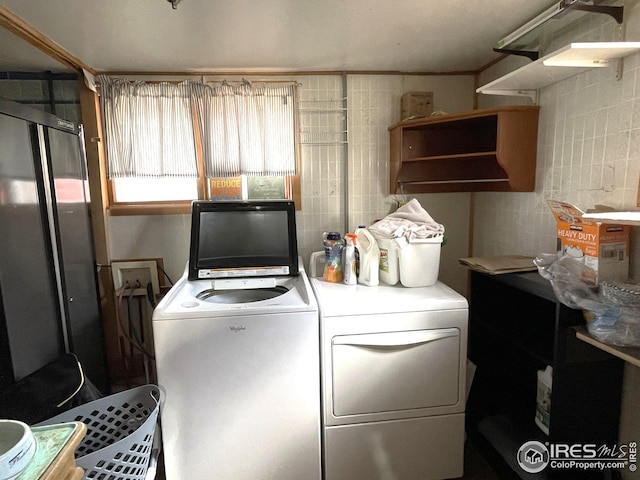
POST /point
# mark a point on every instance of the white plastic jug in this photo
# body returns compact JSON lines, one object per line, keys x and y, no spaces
{"x":543,"y":399}
{"x":369,"y":258}
{"x":316,"y":264}
{"x":389,"y":267}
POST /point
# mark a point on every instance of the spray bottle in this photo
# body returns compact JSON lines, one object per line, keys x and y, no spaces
{"x":349,"y":259}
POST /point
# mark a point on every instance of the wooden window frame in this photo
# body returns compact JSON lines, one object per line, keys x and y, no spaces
{"x":179,"y":206}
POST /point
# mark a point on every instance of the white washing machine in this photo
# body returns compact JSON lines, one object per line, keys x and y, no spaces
{"x":241,"y":380}
{"x":237,"y":351}
{"x":393,"y":381}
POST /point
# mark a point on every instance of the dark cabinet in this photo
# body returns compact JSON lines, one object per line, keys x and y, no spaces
{"x":516,"y":327}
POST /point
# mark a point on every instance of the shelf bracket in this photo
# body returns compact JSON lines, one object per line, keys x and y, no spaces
{"x":616,"y":12}
{"x":530,"y":54}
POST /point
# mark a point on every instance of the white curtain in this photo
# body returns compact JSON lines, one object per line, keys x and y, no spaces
{"x":148,"y":129}
{"x":246,"y":129}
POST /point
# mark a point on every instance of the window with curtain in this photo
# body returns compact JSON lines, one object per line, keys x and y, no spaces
{"x":167,"y":142}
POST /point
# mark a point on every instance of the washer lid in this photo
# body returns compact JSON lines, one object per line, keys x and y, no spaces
{"x":338,"y":299}
{"x":198,"y":298}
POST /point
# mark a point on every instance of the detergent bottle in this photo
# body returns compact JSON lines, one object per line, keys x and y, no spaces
{"x":349,"y":259}
{"x":333,"y":245}
{"x":543,"y":399}
{"x":369,"y":258}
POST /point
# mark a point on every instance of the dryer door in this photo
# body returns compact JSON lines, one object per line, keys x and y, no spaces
{"x":395,"y":371}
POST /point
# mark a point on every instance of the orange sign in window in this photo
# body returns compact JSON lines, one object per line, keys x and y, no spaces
{"x":226,"y":188}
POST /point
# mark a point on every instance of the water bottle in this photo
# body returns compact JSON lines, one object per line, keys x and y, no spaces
{"x":333,"y":245}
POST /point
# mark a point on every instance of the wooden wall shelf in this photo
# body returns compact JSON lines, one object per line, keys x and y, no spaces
{"x":481,"y":150}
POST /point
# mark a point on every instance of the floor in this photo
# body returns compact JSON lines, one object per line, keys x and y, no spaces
{"x":475,"y":466}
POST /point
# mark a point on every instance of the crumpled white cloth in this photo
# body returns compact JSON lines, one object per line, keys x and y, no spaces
{"x":408,"y":223}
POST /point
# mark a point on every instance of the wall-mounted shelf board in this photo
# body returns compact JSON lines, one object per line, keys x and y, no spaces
{"x":628,"y":354}
{"x":571,"y":60}
{"x":527,"y":39}
{"x":622,"y":218}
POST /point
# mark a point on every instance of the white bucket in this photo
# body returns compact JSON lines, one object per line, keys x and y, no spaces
{"x":420,"y":262}
{"x":389,"y":268}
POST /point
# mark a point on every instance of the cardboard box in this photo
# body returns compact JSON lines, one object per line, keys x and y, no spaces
{"x":416,"y":104}
{"x":603,"y":247}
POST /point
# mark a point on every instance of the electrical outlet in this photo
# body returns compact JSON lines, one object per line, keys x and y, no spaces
{"x":137,"y":275}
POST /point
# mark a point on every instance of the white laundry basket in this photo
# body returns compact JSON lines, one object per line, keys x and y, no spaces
{"x":119,"y":444}
{"x":420,"y":262}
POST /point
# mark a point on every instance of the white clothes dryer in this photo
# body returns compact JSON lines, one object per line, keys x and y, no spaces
{"x":240,"y":370}
{"x":393,"y":381}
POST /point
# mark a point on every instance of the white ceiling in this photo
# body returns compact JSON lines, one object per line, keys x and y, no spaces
{"x":268,"y":35}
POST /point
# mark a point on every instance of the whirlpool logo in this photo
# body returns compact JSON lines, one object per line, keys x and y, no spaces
{"x":237,"y":328}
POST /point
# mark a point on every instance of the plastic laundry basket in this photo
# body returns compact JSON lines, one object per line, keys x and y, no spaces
{"x":119,"y":443}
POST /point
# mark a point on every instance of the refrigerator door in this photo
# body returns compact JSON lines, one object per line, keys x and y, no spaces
{"x":30,"y":312}
{"x":68,"y":179}
{"x":48,"y":283}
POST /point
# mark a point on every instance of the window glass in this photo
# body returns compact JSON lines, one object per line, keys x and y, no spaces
{"x":136,"y":190}
{"x":129,"y":190}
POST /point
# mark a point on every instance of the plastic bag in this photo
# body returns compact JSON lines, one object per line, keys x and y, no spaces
{"x":613,"y":308}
